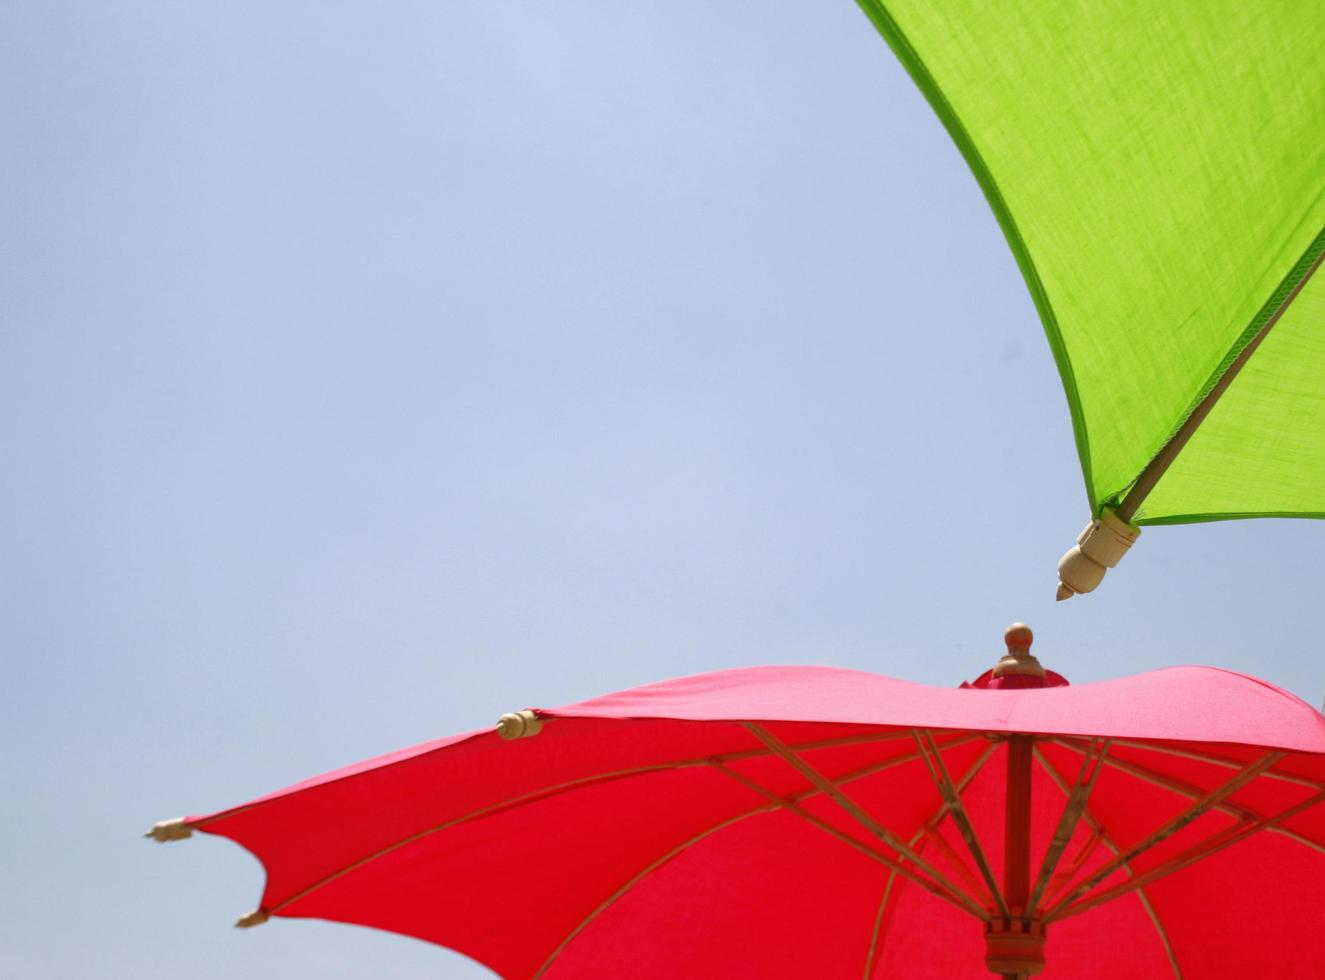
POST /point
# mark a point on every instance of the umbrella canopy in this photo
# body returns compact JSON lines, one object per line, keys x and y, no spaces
{"x":808,"y":821}
{"x":1159,"y":172}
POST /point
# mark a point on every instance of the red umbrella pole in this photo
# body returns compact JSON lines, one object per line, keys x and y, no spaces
{"x":1016,"y":831}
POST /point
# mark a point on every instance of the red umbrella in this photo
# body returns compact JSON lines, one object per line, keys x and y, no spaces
{"x":814,"y":822}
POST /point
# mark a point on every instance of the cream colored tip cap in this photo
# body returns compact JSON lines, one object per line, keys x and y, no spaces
{"x":519,"y":724}
{"x":1099,"y":547}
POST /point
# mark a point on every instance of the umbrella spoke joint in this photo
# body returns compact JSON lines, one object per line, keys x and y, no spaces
{"x":952,"y":802}
{"x":1188,"y":816}
{"x":936,"y":880}
{"x":1073,"y":810}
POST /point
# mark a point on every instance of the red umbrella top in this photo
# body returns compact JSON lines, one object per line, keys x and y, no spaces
{"x":810,"y":821}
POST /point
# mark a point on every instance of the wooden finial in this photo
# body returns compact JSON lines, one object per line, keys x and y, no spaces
{"x":1018,"y":636}
{"x":1018,"y":659}
{"x":519,"y":724}
{"x":167,"y":830}
{"x":255,"y":918}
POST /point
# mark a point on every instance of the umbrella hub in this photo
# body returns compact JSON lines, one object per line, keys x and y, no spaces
{"x":1014,"y":947}
{"x":1018,"y":668}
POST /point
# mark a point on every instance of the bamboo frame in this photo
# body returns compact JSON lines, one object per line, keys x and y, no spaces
{"x":961,"y":865}
{"x":875,"y":949}
{"x":1214,"y":760}
{"x":716,"y":762}
{"x":918,"y":839}
{"x":953,"y":802}
{"x":1074,"y":866}
{"x":1196,"y":852}
{"x":1160,"y":780}
{"x":485,"y":811}
{"x":636,"y":879}
{"x":909,"y":862}
{"x":1194,"y":792}
{"x":893,"y":735}
{"x":1101,"y":835}
{"x":855,"y":811}
{"x":1073,"y":809}
{"x":1196,"y":810}
{"x":774,"y":804}
{"x":554,"y":790}
{"x":945,"y":891}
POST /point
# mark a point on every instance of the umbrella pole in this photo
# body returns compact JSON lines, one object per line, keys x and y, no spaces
{"x":1026,"y":942}
{"x":1017,"y":826}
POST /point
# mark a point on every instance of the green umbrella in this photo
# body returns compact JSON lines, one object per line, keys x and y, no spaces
{"x":1159,"y":171}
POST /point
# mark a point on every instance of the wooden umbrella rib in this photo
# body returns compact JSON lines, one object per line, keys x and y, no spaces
{"x":1214,"y":760}
{"x":978,"y":887}
{"x":1177,"y":753}
{"x":559,"y":788}
{"x":874,"y":947}
{"x":1196,"y":852}
{"x":953,"y":801}
{"x":719,"y":764}
{"x":1176,"y":863}
{"x":1099,"y":831}
{"x":501,"y":805}
{"x":1058,"y":842}
{"x":637,"y":878}
{"x":1073,"y":810}
{"x":960,"y":738}
{"x":1097,"y":839}
{"x":550,"y":791}
{"x":847,"y":804}
{"x":1170,"y":783}
{"x":962,"y":783}
{"x":866,"y":738}
{"x":929,"y":829}
{"x":917,"y":841}
{"x":826,"y":743}
{"x":1163,"y":934}
{"x":939,"y":886}
{"x":1192,"y":792}
{"x":1196,"y":810}
{"x":862,"y":772}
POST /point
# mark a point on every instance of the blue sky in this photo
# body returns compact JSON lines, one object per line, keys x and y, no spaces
{"x":369,"y":370}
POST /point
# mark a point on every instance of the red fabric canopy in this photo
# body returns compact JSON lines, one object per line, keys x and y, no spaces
{"x":791,"y":822}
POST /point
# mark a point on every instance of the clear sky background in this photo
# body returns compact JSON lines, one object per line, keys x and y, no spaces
{"x":370,"y":369}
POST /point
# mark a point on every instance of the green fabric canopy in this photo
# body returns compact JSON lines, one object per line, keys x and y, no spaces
{"x":1159,"y":171}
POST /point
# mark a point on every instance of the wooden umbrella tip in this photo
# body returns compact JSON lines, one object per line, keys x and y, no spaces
{"x":1018,"y":660}
{"x":166,"y":831}
{"x":255,"y":918}
{"x":1018,"y":636}
{"x":519,"y":724}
